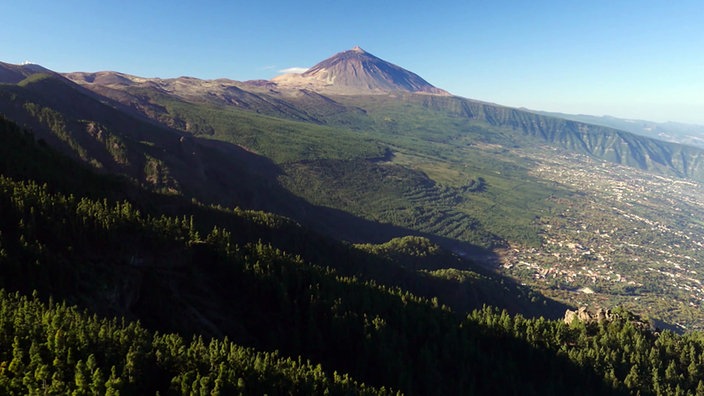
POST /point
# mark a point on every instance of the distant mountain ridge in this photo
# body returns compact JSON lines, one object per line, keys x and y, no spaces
{"x":602,"y":142}
{"x":674,"y":132}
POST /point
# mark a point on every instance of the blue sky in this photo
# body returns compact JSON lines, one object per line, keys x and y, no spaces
{"x":637,"y":59}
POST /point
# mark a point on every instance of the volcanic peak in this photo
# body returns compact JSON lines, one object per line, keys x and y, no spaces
{"x":354,"y":72}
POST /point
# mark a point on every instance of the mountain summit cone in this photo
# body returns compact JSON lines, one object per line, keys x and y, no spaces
{"x":356,"y":72}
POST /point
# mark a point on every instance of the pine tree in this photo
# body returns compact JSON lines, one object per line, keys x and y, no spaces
{"x":633,"y":380}
{"x":81,"y":380}
{"x":113,"y":384}
{"x":700,"y":388}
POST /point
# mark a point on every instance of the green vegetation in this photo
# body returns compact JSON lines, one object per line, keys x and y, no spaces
{"x":34,"y":78}
{"x":137,"y":287}
{"x":56,"y":123}
{"x":396,"y":162}
{"x":368,"y":169}
{"x":111,"y":258}
{"x":408,"y":246}
{"x":279,"y":139}
{"x":55,"y":349}
{"x":209,"y":306}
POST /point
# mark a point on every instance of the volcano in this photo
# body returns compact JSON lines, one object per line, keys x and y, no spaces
{"x":355,"y":72}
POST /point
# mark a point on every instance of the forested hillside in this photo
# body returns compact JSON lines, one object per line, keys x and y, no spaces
{"x":479,"y":180}
{"x":214,"y":303}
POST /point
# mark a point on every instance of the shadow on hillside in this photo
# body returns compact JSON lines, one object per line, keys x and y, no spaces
{"x":248,"y":180}
{"x":207,"y":302}
{"x":218,"y":172}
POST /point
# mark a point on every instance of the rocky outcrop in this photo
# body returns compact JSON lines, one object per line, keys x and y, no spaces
{"x":606,"y":315}
{"x":583,"y":315}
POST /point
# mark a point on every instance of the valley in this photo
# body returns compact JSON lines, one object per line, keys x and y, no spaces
{"x":354,"y":217}
{"x":565,"y":205}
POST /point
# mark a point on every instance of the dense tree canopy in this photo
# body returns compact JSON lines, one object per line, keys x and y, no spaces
{"x":101,"y":297}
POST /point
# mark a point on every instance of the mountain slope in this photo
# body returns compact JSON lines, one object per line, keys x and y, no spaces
{"x":613,"y":145}
{"x":675,"y":132}
{"x":381,"y":129}
{"x":12,"y":74}
{"x":456,"y":169}
{"x":357,"y":72}
{"x":107,"y":256}
{"x":347,"y":103}
{"x":111,"y":138}
{"x":111,"y":259}
{"x":467,"y":175}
